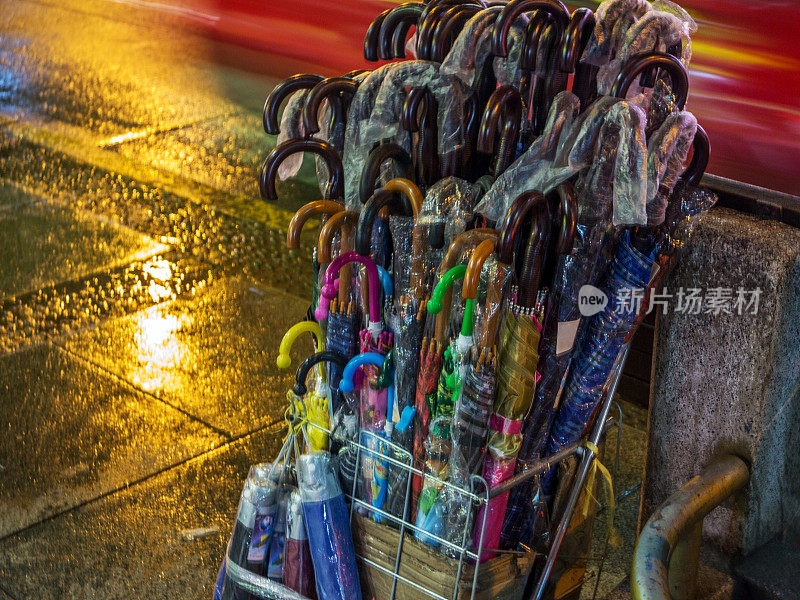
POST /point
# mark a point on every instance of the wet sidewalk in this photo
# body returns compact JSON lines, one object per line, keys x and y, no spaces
{"x":144,"y":289}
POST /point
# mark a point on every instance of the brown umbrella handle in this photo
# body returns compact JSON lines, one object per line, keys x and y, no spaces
{"x":477,"y":259}
{"x":468,"y":239}
{"x":317,"y":207}
{"x":344,"y":220}
{"x":494,"y":298}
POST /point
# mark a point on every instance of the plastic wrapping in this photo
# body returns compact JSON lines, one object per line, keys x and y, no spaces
{"x":507,"y":70}
{"x":472,"y":48}
{"x":252,"y":532}
{"x":318,"y":416}
{"x":613,"y":18}
{"x":598,"y":349}
{"x":298,"y":572}
{"x":656,"y":31}
{"x":356,"y":146}
{"x":329,"y":538}
{"x":292,"y":128}
{"x":530,"y":170}
{"x":438,"y":446}
{"x":449,"y":92}
{"x":686,"y":207}
{"x":667,"y":150}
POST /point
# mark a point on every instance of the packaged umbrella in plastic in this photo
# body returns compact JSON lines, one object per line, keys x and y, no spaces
{"x":430,"y":513}
{"x":329,"y":537}
{"x":298,"y":571}
{"x":253,"y":530}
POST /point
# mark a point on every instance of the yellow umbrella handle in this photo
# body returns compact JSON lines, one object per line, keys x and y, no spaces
{"x":284,"y":359}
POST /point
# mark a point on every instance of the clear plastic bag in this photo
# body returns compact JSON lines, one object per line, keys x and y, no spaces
{"x":667,"y":150}
{"x":531,"y":171}
{"x":292,"y":128}
{"x":472,"y":48}
{"x":613,"y":19}
{"x":656,"y":31}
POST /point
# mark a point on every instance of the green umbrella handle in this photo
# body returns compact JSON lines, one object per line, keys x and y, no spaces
{"x":435,"y":303}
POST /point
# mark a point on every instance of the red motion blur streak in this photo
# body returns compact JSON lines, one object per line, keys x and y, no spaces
{"x":745,"y":77}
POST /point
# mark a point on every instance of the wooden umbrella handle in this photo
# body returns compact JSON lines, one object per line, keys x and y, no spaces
{"x":317,"y":207}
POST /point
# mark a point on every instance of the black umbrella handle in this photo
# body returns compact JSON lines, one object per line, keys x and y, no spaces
{"x":282,"y":91}
{"x":329,"y":356}
{"x":397,"y":204}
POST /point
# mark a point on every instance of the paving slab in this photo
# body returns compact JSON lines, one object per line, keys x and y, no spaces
{"x":72,"y":433}
{"x":129,"y":545}
{"x":212,"y":355}
{"x":224,"y":153}
{"x":45,"y":243}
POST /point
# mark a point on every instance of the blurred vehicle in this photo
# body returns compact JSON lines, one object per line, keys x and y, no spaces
{"x":745,"y":75}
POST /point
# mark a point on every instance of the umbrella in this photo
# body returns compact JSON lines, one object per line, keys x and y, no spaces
{"x":406,"y":322}
{"x":431,"y":353}
{"x":324,"y":208}
{"x":330,"y":540}
{"x":344,"y":315}
{"x":474,"y":404}
{"x":316,"y":404}
{"x":517,"y":359}
{"x":375,"y":467}
{"x":286,"y":89}
{"x":298,"y":570}
{"x":576,"y":39}
{"x":377,"y":168}
{"x":372,"y":35}
{"x":503,"y":115}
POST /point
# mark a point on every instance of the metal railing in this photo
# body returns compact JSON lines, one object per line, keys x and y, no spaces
{"x":667,"y":552}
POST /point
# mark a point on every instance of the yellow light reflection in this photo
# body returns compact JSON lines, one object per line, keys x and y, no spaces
{"x":160,"y":351}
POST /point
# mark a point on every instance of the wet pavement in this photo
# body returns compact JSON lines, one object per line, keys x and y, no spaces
{"x":144,"y":290}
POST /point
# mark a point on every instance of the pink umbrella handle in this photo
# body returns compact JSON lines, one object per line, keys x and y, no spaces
{"x":328,"y":291}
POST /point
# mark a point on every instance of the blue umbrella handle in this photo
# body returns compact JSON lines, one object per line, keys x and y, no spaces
{"x":365,"y":358}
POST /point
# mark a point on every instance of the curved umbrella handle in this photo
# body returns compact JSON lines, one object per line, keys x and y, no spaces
{"x":381,"y":198}
{"x":269,"y":170}
{"x":576,"y":37}
{"x":408,"y":116}
{"x":410,"y":190}
{"x":284,"y":360}
{"x":329,"y":289}
{"x":493,"y":293}
{"x":637,"y":64}
{"x":443,"y":288}
{"x":326,"y":89}
{"x":472,"y":276}
{"x":354,"y":364}
{"x":567,"y":217}
{"x":343,"y":220}
{"x":533,"y":261}
{"x":504,"y":106}
{"x":379,"y":155}
{"x":282,"y":91}
{"x":468,"y":239}
{"x":394,"y":29}
{"x":372,"y":35}
{"x":513,"y":222}
{"x":316,"y":207}
{"x":513,"y":10}
{"x":536,"y":29}
{"x":328,"y":356}
{"x":701,"y":153}
{"x":452,"y":21}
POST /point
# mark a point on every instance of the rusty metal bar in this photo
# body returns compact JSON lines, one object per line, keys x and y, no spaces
{"x":673,"y":521}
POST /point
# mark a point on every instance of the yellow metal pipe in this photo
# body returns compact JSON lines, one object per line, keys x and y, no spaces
{"x":676,"y":518}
